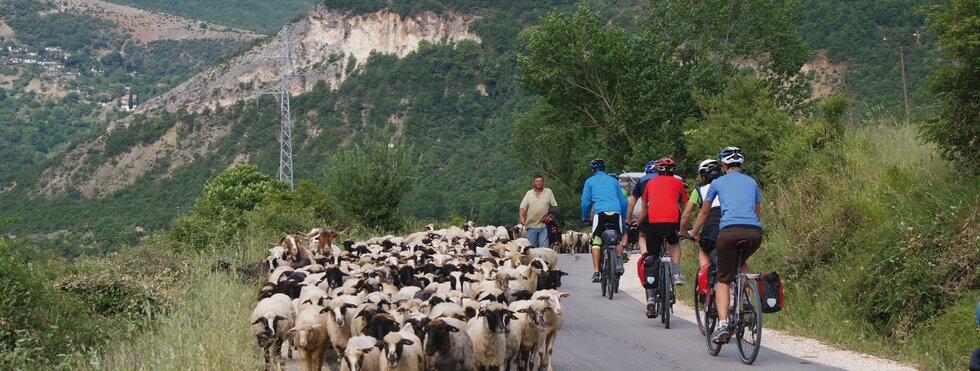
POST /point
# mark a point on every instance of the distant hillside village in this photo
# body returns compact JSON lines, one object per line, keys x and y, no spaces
{"x":52,"y":62}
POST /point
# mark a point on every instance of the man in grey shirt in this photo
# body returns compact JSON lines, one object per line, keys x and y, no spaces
{"x":535,"y":204}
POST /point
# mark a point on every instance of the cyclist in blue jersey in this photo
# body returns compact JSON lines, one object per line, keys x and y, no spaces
{"x":603,"y":195}
{"x":739,"y":197}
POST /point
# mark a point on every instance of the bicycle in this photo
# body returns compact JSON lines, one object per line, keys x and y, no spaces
{"x":608,"y":278}
{"x":666,"y":295}
{"x":744,"y":315}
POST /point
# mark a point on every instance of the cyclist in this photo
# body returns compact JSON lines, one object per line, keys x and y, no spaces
{"x":708,"y":170}
{"x":662,"y":197}
{"x":739,"y":197}
{"x":651,"y":171}
{"x":603,"y":194}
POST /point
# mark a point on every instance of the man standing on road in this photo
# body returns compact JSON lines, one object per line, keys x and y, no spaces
{"x":535,"y":204}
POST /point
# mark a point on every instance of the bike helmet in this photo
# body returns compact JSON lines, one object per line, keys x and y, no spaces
{"x":707,"y":165}
{"x":731,"y":156}
{"x":598,"y":164}
{"x":650,"y":167}
{"x":665,"y":165}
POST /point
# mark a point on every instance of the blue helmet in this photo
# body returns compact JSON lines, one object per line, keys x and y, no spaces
{"x":598,"y":164}
{"x":731,"y":156}
{"x":650,"y":167}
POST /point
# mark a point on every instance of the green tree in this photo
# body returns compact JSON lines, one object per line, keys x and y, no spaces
{"x":369,"y":180}
{"x":744,"y":115}
{"x":955,"y":126}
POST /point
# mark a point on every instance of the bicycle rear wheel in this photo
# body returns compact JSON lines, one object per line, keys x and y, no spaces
{"x":665,"y":294}
{"x":749,"y":330}
{"x":710,"y":322}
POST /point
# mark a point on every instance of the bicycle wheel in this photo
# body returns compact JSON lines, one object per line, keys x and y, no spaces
{"x":699,"y":307}
{"x":665,"y":294}
{"x":749,"y":329}
{"x":602,"y":274}
{"x":611,"y":271}
{"x":710,"y":321}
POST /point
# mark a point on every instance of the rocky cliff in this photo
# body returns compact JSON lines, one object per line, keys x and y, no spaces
{"x":322,"y":46}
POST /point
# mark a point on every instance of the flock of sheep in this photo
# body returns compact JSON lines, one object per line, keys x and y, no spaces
{"x":450,"y":299}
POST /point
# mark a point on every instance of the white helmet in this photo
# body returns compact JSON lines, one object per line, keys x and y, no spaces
{"x":707,"y":165}
{"x":731,"y":156}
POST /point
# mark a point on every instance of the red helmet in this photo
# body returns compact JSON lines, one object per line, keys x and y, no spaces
{"x":665,"y":164}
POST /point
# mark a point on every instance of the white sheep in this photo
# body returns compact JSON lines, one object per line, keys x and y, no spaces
{"x":271,"y":319}
{"x":361,"y":354}
{"x":549,"y":301}
{"x":544,"y":253}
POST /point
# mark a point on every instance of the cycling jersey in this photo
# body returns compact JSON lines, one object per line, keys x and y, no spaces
{"x":739,"y":194}
{"x":641,"y":184}
{"x":663,"y":196}
{"x":603,"y":193}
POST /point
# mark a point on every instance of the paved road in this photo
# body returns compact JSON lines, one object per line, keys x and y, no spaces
{"x":603,"y":334}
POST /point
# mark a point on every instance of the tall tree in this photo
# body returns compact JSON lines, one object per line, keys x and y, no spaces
{"x":955,"y":126}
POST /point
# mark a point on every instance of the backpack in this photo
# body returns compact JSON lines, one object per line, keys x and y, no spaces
{"x":771,"y":292}
{"x":646,"y":269}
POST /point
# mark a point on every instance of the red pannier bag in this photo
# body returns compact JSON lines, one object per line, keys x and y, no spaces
{"x":771,"y":292}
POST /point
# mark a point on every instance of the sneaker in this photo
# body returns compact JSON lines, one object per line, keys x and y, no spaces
{"x":651,"y":310}
{"x":595,"y":277}
{"x":619,"y":266}
{"x":721,"y":334}
{"x":679,"y":279}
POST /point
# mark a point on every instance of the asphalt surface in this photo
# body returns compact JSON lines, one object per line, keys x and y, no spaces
{"x":603,"y":334}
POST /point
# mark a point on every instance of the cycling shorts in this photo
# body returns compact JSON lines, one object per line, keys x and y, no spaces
{"x":727,"y":250}
{"x":656,"y":232}
{"x":601,"y":219}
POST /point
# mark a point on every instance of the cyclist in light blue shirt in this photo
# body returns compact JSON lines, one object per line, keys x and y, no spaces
{"x":739,"y":197}
{"x":602,"y":193}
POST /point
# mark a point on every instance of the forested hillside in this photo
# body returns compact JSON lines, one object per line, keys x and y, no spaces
{"x":65,"y":74}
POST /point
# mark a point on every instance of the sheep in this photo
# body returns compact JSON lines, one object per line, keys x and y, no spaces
{"x":447,"y":310}
{"x":550,"y":279}
{"x":271,"y":319}
{"x":309,"y":336}
{"x":487,"y":331}
{"x":339,"y":316}
{"x":401,"y":351}
{"x":361,"y":355}
{"x":545,"y":253}
{"x":525,"y":332}
{"x":501,"y":235}
{"x":447,"y":336}
{"x":549,"y":301}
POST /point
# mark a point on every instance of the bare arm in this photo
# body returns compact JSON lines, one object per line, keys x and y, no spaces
{"x":758,"y":215}
{"x":629,"y":209}
{"x":702,"y":216}
{"x":522,"y":216}
{"x":686,"y":217}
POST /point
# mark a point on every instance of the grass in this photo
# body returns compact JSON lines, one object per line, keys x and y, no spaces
{"x":877,"y":245}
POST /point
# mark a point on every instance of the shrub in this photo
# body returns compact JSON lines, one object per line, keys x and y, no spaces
{"x":368,"y":181}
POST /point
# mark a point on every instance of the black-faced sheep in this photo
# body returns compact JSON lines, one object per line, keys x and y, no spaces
{"x":488,"y":332}
{"x":447,"y":336}
{"x":271,"y":320}
{"x":401,"y":351}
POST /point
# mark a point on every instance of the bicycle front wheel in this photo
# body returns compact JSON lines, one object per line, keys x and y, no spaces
{"x":699,"y":306}
{"x":611,"y":271}
{"x":749,"y":330}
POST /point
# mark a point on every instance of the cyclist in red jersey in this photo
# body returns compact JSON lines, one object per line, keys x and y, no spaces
{"x":663,"y":197}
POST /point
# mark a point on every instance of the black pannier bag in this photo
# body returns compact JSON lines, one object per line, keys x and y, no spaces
{"x":647,"y":269}
{"x":771,"y":292}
